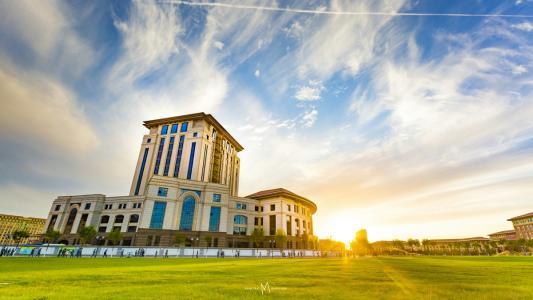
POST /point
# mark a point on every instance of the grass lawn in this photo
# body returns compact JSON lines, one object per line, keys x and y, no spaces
{"x":383,"y":277}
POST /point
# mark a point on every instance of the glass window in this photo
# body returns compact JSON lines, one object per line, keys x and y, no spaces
{"x":272,"y":225}
{"x":272,"y":207}
{"x":119,"y":219}
{"x":158,"y":215}
{"x":288,"y":207}
{"x":187,"y":214}
{"x":132,"y":228}
{"x":58,"y":207}
{"x":134,"y":218}
{"x":195,"y":134}
{"x":141,"y":171}
{"x":237,"y":230}
{"x":240,"y":219}
{"x":174,"y":128}
{"x":162,"y":191}
{"x":214,"y":218}
{"x":102,"y":229}
{"x":191,"y":161}
{"x":104,"y":219}
{"x":178,"y":157}
{"x":216,"y":198}
{"x":159,"y":153}
{"x":241,"y":206}
{"x":164,"y":129}
{"x":184,"y":126}
{"x":148,"y":140}
{"x":169,"y":155}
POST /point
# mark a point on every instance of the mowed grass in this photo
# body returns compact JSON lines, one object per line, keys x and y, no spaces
{"x":184,"y":278}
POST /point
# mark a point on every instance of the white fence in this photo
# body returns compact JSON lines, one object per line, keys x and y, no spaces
{"x":101,"y":251}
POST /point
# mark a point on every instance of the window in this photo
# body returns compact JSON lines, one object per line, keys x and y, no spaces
{"x":104,"y":220}
{"x":159,"y":153}
{"x":174,"y":128}
{"x":289,"y":226}
{"x":136,"y":205}
{"x":162,"y":191}
{"x":141,"y":171}
{"x":148,"y":140}
{"x":258,"y":221}
{"x":169,"y":155}
{"x":102,"y":229}
{"x":256,"y":208}
{"x":241,"y":206}
{"x":178,"y":157}
{"x":240,"y":219}
{"x":108,"y":206}
{"x":164,"y":129}
{"x":288,"y":207}
{"x":187,"y":214}
{"x":216,"y":197}
{"x":58,"y":207}
{"x":119,"y":219}
{"x":158,"y":215}
{"x":296,"y":208}
{"x":116,"y":228}
{"x":195,"y":134}
{"x":184,"y":126}
{"x":239,"y":230}
{"x":214,"y":218}
{"x":132,"y":228}
{"x":134,"y":218}
{"x":122,"y":206}
{"x":87,"y":206}
{"x":272,"y":225}
{"x":272,"y":207}
{"x":203,"y":164}
{"x":191,"y":161}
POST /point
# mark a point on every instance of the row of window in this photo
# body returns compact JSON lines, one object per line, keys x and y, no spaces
{"x":174,"y":128}
{"x":102,"y":229}
{"x":86,"y":207}
{"x":122,"y":206}
{"x":119,"y":219}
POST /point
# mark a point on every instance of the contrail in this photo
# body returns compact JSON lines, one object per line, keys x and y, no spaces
{"x":341,"y":13}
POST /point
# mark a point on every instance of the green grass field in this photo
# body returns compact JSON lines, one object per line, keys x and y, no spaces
{"x":383,"y":277}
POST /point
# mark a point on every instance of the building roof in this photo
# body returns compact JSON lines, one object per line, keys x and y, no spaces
{"x":471,"y":239}
{"x":281,"y":192}
{"x":521,"y":216}
{"x":196,"y":116}
{"x":4,"y":216}
{"x":511,"y":231}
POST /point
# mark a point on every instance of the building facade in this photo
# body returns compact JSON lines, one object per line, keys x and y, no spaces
{"x":523,"y":226}
{"x":186,"y":184}
{"x":9,"y":224}
{"x":507,"y":235}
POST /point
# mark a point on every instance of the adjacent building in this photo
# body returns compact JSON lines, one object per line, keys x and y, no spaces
{"x":523,"y":226}
{"x":186,"y":184}
{"x":10,"y":223}
{"x":507,"y":235}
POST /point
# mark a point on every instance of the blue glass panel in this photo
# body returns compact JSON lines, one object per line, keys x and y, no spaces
{"x":141,"y":171}
{"x":191,"y":161}
{"x":214,"y":218}
{"x":178,"y":157}
{"x":239,"y":219}
{"x":164,"y":129}
{"x":169,"y":155}
{"x":158,"y":215}
{"x":159,"y":153}
{"x":216,"y":197}
{"x":184,"y":126}
{"x":174,"y":128}
{"x":203,"y":164}
{"x":162,"y":192}
{"x":187,"y":214}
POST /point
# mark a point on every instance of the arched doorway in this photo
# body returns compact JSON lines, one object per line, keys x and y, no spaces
{"x":187,"y":214}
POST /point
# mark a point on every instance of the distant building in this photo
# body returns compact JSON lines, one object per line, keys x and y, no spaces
{"x":523,"y":226}
{"x":478,"y":239}
{"x":508,"y":235}
{"x":186,"y":183}
{"x":10,"y":224}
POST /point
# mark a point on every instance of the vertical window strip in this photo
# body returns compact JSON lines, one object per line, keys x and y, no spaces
{"x":169,"y":155}
{"x":214,"y":218}
{"x":191,"y":160}
{"x":158,"y":215}
{"x":203,"y":164}
{"x":141,"y":171}
{"x":159,"y":153}
{"x":178,"y":157}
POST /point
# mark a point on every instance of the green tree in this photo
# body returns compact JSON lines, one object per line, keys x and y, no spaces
{"x":360,"y":245}
{"x":19,"y":235}
{"x":257,"y":237}
{"x":208,"y":239}
{"x":281,"y":238}
{"x":115,"y":236}
{"x":179,"y":239}
{"x":52,"y":235}
{"x":87,"y":234}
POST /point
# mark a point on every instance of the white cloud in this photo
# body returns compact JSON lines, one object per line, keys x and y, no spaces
{"x":525,"y":26}
{"x":310,"y":92}
{"x":257,"y":73}
{"x":519,"y":69}
{"x":309,"y":118}
{"x":218,"y":45}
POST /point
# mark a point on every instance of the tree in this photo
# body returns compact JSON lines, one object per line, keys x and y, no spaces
{"x":52,"y":235}
{"x":208,"y":239}
{"x":281,"y":238}
{"x":18,"y":235}
{"x":360,"y":245}
{"x":257,"y":237}
{"x":115,"y":236}
{"x":305,"y":240}
{"x":179,"y":239}
{"x":87,"y":234}
{"x":413,"y":243}
{"x":425,"y":245}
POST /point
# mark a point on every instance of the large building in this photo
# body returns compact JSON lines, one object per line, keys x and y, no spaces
{"x":186,"y":184}
{"x":9,"y":224}
{"x":523,"y":226}
{"x":507,"y":235}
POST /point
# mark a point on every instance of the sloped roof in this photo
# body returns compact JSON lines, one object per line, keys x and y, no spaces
{"x":504,"y":232}
{"x":521,"y":216}
{"x":281,"y":192}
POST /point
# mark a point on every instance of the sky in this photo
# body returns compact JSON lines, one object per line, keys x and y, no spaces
{"x":401,"y":117}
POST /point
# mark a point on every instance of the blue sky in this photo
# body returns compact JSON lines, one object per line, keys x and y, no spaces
{"x":411,"y":126}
